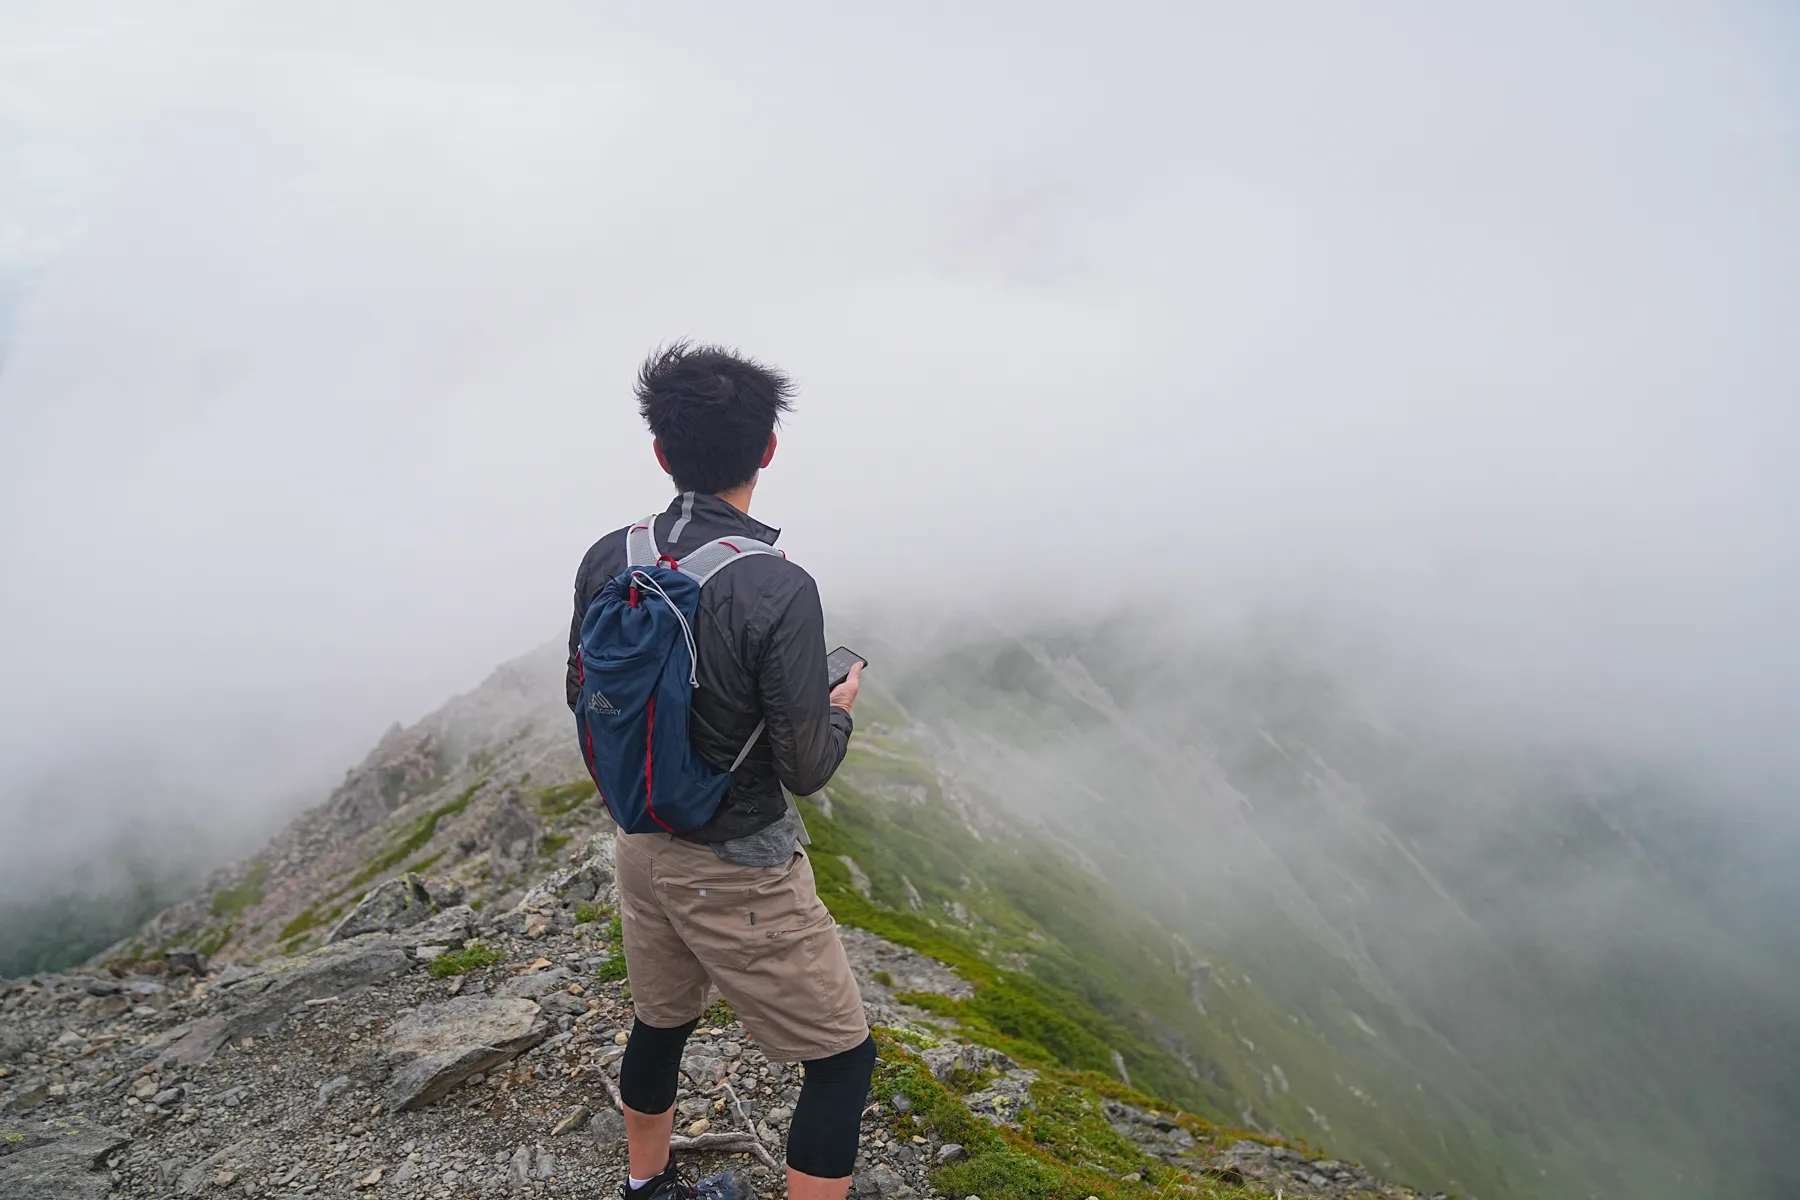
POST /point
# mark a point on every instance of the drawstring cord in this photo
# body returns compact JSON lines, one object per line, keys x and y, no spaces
{"x":650,"y":585}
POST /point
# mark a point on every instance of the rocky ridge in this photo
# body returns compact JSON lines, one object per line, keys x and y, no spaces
{"x":472,"y":1055}
{"x":461,"y":793}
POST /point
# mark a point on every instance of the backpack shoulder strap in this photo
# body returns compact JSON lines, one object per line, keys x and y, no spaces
{"x":640,"y":543}
{"x":709,"y":560}
{"x":720,"y":553}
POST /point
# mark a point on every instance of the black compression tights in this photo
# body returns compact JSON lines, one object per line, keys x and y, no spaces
{"x":827,"y":1120}
{"x":651,"y":1067}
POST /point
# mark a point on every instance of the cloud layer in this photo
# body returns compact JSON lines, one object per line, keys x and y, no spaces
{"x":1466,"y":333}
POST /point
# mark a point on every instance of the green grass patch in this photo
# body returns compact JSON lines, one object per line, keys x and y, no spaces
{"x":588,"y":913}
{"x":552,"y":844}
{"x":1064,"y":1148}
{"x":306,"y":919}
{"x":565,"y":797}
{"x":232,"y":901}
{"x":294,"y":934}
{"x":1019,"y":1014}
{"x":1065,"y":970}
{"x":215,"y":939}
{"x":471,"y":957}
{"x":978,"y":1029}
{"x":411,"y":839}
{"x":613,"y":969}
{"x":884,"y":978}
{"x":913,"y":1038}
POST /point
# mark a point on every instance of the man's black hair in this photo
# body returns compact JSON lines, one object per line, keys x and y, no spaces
{"x":713,"y":411}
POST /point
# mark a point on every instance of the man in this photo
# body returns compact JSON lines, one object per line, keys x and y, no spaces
{"x":734,"y":902}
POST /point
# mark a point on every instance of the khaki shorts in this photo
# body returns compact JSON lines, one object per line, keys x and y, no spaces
{"x":760,"y":934}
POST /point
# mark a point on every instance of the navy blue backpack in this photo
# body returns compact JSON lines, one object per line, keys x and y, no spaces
{"x":637,"y":680}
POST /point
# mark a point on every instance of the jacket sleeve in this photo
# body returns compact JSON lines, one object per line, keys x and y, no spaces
{"x":807,"y":735}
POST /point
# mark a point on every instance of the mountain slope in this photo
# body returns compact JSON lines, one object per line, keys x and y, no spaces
{"x":1494,"y":962}
{"x":1246,"y":897}
{"x":455,"y":1053}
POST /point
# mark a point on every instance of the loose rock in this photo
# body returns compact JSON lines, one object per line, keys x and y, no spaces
{"x":443,"y":1044}
{"x":185,"y":962}
{"x":62,"y":1161}
{"x":572,"y":1122}
{"x":396,"y":904}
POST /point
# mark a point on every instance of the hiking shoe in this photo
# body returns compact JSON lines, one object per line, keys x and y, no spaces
{"x":673,"y":1184}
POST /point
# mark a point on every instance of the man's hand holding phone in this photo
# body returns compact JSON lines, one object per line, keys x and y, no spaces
{"x":844,"y":666}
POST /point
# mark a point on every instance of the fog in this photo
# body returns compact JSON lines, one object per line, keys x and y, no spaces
{"x":1465,"y":338}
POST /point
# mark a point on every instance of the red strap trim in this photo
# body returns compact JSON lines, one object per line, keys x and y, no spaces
{"x":734,"y":549}
{"x":587,"y":752}
{"x":649,"y":741}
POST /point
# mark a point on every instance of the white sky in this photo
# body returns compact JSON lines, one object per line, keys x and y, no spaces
{"x":1474,"y":327}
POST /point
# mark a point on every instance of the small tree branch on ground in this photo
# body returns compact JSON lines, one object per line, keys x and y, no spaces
{"x":727,"y":1142}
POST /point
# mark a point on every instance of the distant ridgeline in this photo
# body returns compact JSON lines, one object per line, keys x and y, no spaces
{"x":1211,"y":878}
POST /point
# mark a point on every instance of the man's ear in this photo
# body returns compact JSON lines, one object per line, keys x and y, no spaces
{"x":662,"y":460}
{"x":768,"y":451}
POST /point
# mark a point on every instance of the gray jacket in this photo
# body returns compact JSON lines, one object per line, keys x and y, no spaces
{"x":761,"y":657}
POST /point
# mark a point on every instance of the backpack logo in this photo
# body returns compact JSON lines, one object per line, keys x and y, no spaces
{"x":598,"y":703}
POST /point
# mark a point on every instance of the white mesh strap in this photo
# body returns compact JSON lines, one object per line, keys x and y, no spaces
{"x":745,"y":752}
{"x":713,"y":557}
{"x":640,"y":542}
{"x":708,"y":561}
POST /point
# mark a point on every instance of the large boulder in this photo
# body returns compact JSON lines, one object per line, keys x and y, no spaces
{"x":592,"y":877}
{"x":440,"y":1045}
{"x":589,"y":880}
{"x":260,"y":1000}
{"x":450,"y":928}
{"x":58,"y":1160}
{"x":946,"y":1061}
{"x":396,"y":904}
{"x":550,"y":989}
{"x":185,"y":961}
{"x":1004,"y":1097}
{"x":535,"y":985}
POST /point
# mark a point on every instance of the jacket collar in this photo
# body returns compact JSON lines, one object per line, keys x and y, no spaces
{"x":709,"y":511}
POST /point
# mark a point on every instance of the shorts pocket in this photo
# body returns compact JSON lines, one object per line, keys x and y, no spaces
{"x":792,"y":915}
{"x":728,"y":917}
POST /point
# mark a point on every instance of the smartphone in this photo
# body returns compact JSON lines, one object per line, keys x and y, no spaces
{"x":839,"y":662}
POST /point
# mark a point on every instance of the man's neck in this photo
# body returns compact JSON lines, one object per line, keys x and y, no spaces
{"x":739,"y":497}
